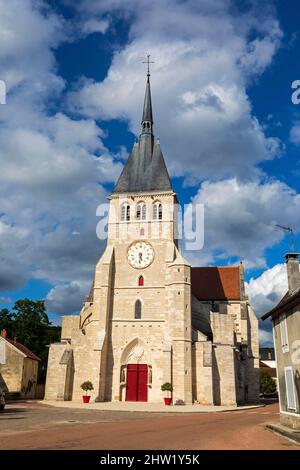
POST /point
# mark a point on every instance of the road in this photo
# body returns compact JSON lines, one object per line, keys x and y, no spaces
{"x":33,"y":425}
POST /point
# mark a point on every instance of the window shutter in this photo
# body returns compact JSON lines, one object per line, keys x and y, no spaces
{"x":284,"y":333}
{"x":2,"y":353}
{"x":290,"y":389}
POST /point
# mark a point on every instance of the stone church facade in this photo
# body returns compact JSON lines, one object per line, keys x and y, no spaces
{"x":150,"y":317}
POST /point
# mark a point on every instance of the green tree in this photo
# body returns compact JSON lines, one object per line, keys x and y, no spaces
{"x":29,"y":324}
{"x":6,"y":321}
{"x":266,"y":382}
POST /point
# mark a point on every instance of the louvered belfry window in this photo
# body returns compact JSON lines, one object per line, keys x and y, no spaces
{"x":138,"y":310}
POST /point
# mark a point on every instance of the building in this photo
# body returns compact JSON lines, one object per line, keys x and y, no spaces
{"x":267,"y":362}
{"x":150,"y":318}
{"x":286,"y":331}
{"x":18,"y":368}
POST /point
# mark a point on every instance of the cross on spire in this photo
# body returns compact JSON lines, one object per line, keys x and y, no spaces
{"x":148,"y":62}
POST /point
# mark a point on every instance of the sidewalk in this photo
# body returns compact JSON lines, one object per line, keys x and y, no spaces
{"x":290,"y":433}
{"x":145,"y":407}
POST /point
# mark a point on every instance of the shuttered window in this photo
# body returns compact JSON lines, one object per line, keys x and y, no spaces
{"x":284,"y":333}
{"x":290,"y":388}
{"x":2,"y":353}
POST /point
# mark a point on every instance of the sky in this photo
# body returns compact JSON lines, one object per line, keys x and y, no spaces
{"x":221,"y":90}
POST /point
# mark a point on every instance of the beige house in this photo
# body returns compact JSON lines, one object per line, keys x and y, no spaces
{"x":286,"y":331}
{"x":150,"y":318}
{"x":18,"y":368}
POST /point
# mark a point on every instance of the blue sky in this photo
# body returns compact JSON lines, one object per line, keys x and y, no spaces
{"x":221,"y":87}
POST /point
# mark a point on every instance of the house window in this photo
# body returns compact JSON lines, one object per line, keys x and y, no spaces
{"x":290,"y":388}
{"x":144,"y":212}
{"x":141,"y":281}
{"x":138,"y":310}
{"x":284,"y":333}
{"x":157,"y":211}
{"x":138,"y":212}
{"x":125,"y":212}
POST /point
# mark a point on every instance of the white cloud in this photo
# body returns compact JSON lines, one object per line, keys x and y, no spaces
{"x":201,"y":109}
{"x":95,"y":26}
{"x":52,"y":165}
{"x":267,"y":290}
{"x":266,"y":338}
{"x":67,"y":298}
{"x":240,"y":219}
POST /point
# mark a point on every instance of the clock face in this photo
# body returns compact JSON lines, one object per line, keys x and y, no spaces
{"x":140,"y":255}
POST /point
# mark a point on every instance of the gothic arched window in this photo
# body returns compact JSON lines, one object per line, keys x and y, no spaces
{"x":125,"y":212}
{"x":141,"y":211}
{"x":138,"y":310}
{"x":141,"y":281}
{"x":138,"y":212}
{"x":144,"y":212}
{"x":157,"y":211}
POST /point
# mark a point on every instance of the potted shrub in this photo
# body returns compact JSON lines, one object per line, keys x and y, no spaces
{"x":168,"y":389}
{"x":86,"y":387}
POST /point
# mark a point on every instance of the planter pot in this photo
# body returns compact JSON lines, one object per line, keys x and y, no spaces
{"x":86,"y":398}
{"x":167,"y":401}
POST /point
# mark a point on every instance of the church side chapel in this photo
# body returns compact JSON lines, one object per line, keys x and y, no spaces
{"x":150,"y":317}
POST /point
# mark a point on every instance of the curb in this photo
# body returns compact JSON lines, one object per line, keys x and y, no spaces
{"x":290,"y":433}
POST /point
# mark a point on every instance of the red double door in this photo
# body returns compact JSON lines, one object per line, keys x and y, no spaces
{"x":137,"y":382}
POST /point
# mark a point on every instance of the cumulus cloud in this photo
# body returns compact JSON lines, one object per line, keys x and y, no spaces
{"x":202,"y":111}
{"x":264,"y":293}
{"x":268,"y":289}
{"x":240,"y":219}
{"x":67,"y":298}
{"x":53,"y":166}
{"x":95,"y":26}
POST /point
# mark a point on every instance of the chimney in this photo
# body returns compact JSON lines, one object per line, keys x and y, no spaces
{"x":3,"y":333}
{"x":293,"y":274}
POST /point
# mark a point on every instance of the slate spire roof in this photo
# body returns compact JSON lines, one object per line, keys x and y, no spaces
{"x":145,"y":169}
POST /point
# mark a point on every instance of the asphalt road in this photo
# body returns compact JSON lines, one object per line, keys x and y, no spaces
{"x":37,"y":426}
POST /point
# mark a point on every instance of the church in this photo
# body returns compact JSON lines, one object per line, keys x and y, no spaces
{"x":151,"y":318}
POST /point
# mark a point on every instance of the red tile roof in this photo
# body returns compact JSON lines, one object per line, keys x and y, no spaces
{"x":216,"y":283}
{"x":23,"y":349}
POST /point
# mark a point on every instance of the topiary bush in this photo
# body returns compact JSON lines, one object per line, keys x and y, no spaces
{"x":167,"y":387}
{"x":87,"y":386}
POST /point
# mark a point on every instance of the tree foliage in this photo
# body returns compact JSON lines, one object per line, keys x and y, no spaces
{"x":28,"y":323}
{"x":266,"y":382}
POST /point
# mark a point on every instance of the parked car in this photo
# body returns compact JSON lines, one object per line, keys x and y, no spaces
{"x":2,"y":400}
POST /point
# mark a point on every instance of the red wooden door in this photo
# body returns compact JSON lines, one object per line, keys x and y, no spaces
{"x":142,"y":394}
{"x":137,"y":379}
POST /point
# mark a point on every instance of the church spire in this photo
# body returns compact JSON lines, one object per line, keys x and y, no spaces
{"x":147,"y":119}
{"x":145,"y":169}
{"x":147,"y":110}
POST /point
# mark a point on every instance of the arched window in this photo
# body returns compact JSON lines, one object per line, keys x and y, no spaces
{"x":138,"y":212}
{"x":125,"y":212}
{"x":138,"y":310}
{"x":160,"y":211}
{"x":141,"y":211}
{"x":141,"y":281}
{"x":157,"y":211}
